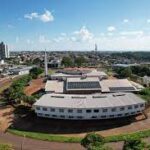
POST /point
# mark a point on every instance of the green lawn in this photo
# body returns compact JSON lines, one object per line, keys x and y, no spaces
{"x":145,"y":97}
{"x":5,"y":147}
{"x":45,"y":136}
{"x":59,"y":138}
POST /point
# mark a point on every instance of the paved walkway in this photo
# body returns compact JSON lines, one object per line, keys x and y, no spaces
{"x":31,"y":144}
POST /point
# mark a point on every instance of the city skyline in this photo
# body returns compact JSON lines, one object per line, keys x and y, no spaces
{"x":76,"y":25}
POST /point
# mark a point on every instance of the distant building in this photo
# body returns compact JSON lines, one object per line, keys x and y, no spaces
{"x":4,"y":52}
{"x":123,"y":65}
{"x":54,"y":63}
{"x":20,"y":70}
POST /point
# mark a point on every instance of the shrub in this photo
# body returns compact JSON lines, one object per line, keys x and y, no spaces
{"x":93,"y":141}
{"x":134,"y":144}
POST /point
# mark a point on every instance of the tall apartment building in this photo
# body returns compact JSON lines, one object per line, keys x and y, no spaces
{"x":4,"y":52}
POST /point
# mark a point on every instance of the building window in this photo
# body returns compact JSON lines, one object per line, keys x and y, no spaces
{"x":94,"y":117}
{"x":105,"y":110}
{"x":113,"y":109}
{"x":88,"y":111}
{"x":111,"y":116}
{"x":132,"y":113}
{"x":129,"y":107}
{"x":44,"y":109}
{"x":79,"y":117}
{"x":136,"y":106}
{"x":142,"y":105}
{"x":96,"y":110}
{"x":103,"y":116}
{"x":54,"y":115}
{"x":71,"y":117}
{"x":37,"y":108}
{"x":79,"y":111}
{"x":119,"y":115}
{"x":40,"y":114}
{"x":70,"y":110}
{"x":61,"y":110}
{"x":126,"y":114}
{"x":46,"y":115}
{"x":62,"y":116}
{"x":52,"y":110}
{"x":122,"y":109}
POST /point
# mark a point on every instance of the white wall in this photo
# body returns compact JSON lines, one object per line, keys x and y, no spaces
{"x":88,"y":116}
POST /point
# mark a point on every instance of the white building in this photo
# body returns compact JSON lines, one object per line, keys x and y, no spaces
{"x":72,"y":74}
{"x":56,"y":63}
{"x":20,"y":70}
{"x":78,"y":95}
{"x":88,"y":107}
{"x":119,"y":85}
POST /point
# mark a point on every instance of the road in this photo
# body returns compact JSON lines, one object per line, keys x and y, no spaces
{"x":31,"y":144}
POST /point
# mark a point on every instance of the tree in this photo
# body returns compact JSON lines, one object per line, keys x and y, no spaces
{"x":15,"y":91}
{"x":94,"y":141}
{"x":79,"y":61}
{"x":37,"y":61}
{"x":67,"y":62}
{"x":35,"y":72}
{"x":29,"y":99}
{"x":134,"y":143}
{"x":124,"y":72}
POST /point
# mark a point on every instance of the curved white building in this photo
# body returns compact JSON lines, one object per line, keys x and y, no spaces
{"x":88,"y":107}
{"x":78,"y":96}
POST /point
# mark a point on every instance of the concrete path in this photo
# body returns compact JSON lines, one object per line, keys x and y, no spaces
{"x":21,"y":143}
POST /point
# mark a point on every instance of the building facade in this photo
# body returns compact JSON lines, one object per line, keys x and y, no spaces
{"x":89,"y":107}
{"x":4,"y":52}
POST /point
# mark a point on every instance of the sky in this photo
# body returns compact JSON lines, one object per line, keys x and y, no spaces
{"x":115,"y":25}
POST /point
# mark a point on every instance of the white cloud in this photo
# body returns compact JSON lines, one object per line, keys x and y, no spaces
{"x":83,"y":34}
{"x":148,"y":20}
{"x":45,"y":17}
{"x":110,"y":34}
{"x":28,"y":41}
{"x":42,"y":39}
{"x":125,"y":21}
{"x":17,"y":39}
{"x":135,"y":33}
{"x":10,"y":26}
{"x":111,"y":28}
{"x":63,"y":34}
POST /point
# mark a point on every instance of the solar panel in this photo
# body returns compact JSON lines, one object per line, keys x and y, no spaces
{"x":83,"y":85}
{"x":121,"y":88}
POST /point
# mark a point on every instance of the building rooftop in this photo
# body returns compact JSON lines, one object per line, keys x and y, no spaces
{"x":54,"y":86}
{"x":88,"y":101}
{"x":91,"y":73}
{"x":83,"y":83}
{"x":116,"y":85}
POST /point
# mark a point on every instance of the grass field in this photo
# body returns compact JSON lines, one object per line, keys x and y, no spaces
{"x":59,"y":138}
{"x":5,"y":147}
{"x":46,"y":137}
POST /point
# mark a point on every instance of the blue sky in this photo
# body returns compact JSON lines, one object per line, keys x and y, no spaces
{"x":75,"y":24}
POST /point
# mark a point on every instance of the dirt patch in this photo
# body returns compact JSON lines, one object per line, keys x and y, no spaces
{"x":35,"y":86}
{"x":6,"y":118}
